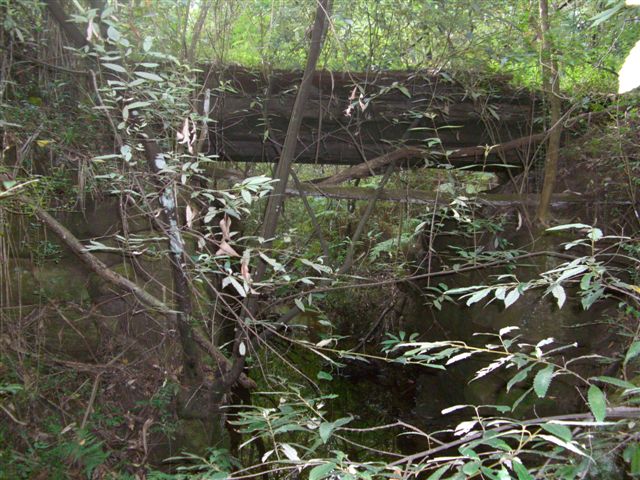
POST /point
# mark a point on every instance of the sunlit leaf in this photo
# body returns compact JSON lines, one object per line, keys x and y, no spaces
{"x":460,"y":356}
{"x":477,"y":296}
{"x":115,"y":67}
{"x":503,"y":331}
{"x":113,"y":33}
{"x":453,"y":409}
{"x":561,"y":431}
{"x":464,"y":427}
{"x":629,"y":76}
{"x":567,"y":445}
{"x":511,"y":298}
{"x":290,"y":452}
{"x":558,"y":292}
{"x":146,"y":45}
{"x":568,"y":226}
{"x":149,"y":76}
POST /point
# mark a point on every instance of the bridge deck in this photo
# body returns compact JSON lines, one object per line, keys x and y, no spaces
{"x":351,"y":118}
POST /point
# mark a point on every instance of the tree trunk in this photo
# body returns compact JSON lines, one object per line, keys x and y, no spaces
{"x":551,"y":86}
{"x":276,"y":198}
{"x":197,"y":31}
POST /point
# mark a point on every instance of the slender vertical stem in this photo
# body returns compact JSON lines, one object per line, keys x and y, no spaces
{"x":276,"y":199}
{"x":551,"y":86}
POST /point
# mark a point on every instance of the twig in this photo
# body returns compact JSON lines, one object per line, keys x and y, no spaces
{"x":12,"y":417}
{"x":619,"y":412}
{"x":92,"y":399}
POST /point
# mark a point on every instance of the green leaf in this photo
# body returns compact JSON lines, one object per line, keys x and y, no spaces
{"x":404,"y":90}
{"x":631,"y":455}
{"x":542,"y":380}
{"x":518,"y":377}
{"x":325,"y":430}
{"x":521,"y":471}
{"x":572,"y":447}
{"x":597,"y":403}
{"x":561,"y":431}
{"x":134,"y":105}
{"x":290,"y":427}
{"x":146,"y":45}
{"x":606,"y":15}
{"x":438,"y":473}
{"x":471,"y":468}
{"x":585,"y":281}
{"x":634,"y":351}
{"x":324,"y":376}
{"x":558,"y":292}
{"x":321,"y":471}
{"x":115,"y":67}
{"x":494,"y":474}
{"x":479,"y":295}
{"x":511,"y":297}
{"x":149,"y":76}
{"x":614,"y":381}
{"x":113,"y":33}
{"x":498,"y":442}
{"x":568,"y":226}
{"x":11,"y":388}
{"x":520,"y":399}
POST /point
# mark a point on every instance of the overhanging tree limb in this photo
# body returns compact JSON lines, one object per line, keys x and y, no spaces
{"x":456,"y":157}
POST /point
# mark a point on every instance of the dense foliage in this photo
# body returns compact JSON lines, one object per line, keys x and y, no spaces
{"x":156,"y":323}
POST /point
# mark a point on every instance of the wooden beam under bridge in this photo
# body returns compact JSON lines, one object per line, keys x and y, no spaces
{"x":420,"y":197}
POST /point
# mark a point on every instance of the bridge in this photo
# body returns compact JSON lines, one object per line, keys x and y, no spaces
{"x":369,"y":120}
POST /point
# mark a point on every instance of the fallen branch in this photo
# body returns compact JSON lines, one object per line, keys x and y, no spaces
{"x":372,"y":167}
{"x":481,"y":151}
{"x":123,"y":283}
